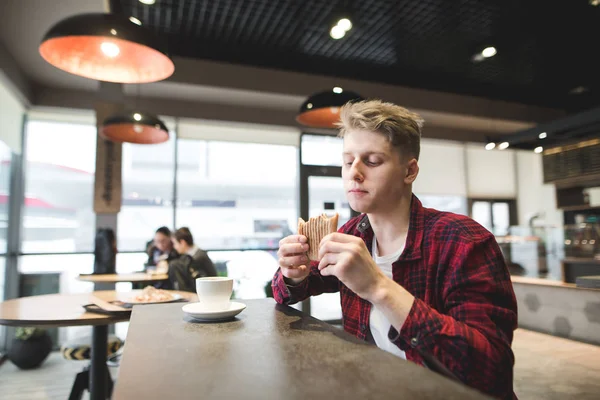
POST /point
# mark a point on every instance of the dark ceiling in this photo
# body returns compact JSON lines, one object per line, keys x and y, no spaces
{"x":545,"y":48}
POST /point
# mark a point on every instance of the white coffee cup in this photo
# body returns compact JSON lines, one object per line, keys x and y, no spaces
{"x":214,"y":291}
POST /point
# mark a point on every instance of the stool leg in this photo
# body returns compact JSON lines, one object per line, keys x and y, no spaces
{"x":80,"y":385}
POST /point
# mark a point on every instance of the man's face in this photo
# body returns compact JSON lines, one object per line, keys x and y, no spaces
{"x":375,"y":175}
{"x":162,"y":242}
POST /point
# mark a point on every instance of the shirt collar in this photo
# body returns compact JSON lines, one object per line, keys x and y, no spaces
{"x":192,"y":250}
{"x":414,"y":239}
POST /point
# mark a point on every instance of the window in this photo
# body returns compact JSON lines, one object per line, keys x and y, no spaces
{"x":236,"y":195}
{"x":147,"y":178}
{"x":2,"y":277}
{"x":455,"y":204}
{"x":5,"y":165}
{"x":497,"y":216}
{"x":59,"y":185}
{"x":322,"y":150}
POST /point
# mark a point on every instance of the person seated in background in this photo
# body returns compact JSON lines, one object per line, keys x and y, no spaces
{"x":161,"y":248}
{"x":192,"y":262}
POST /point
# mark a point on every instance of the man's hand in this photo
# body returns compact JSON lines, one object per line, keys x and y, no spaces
{"x":162,"y":266}
{"x":347,"y":258}
{"x":295,"y":265}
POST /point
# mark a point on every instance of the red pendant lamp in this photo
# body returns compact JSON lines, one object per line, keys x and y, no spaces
{"x":135,"y":128}
{"x":322,"y":110}
{"x":107,"y":47}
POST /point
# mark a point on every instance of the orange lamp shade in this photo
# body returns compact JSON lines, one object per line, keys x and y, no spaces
{"x":134,"y":128}
{"x":106,"y":47}
{"x":322,"y":110}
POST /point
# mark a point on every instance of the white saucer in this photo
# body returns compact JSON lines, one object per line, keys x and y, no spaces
{"x":200,"y":312}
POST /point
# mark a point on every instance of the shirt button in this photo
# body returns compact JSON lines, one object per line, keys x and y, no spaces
{"x":363,"y":224}
{"x":414,"y":342}
{"x":363,"y":327}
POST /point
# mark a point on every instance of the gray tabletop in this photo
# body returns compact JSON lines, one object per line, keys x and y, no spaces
{"x":268,"y":351}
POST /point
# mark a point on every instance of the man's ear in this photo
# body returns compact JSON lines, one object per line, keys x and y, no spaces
{"x":412,"y":170}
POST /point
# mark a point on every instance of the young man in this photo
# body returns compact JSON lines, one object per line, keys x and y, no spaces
{"x":192,"y":262}
{"x":426,"y":285}
{"x":161,"y":248}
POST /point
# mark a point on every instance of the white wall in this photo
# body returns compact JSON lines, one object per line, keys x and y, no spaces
{"x":535,"y":197}
{"x":490,"y":173}
{"x":441,"y":169}
{"x":11,"y":119}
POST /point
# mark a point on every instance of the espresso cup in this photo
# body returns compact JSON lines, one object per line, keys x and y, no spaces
{"x":214,"y":292}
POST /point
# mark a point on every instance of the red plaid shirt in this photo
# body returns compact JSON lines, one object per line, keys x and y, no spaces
{"x":465,"y":309}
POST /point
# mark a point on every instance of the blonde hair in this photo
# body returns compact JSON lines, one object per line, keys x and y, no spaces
{"x":401,"y":127}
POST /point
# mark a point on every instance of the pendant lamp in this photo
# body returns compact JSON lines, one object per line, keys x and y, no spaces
{"x":322,"y":110}
{"x":107,"y":47}
{"x":134,"y":128}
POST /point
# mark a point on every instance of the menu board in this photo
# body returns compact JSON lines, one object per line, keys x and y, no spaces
{"x":572,"y":161}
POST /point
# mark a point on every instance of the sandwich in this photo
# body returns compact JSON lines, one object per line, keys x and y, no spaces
{"x":315,"y":229}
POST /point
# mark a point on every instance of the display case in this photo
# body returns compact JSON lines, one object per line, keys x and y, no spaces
{"x":582,"y":240}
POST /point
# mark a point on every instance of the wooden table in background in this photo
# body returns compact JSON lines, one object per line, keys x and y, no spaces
{"x":62,"y":310}
{"x":135,"y":277}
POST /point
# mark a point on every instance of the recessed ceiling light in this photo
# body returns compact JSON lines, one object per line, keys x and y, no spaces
{"x":538,"y":149}
{"x":490,"y":146}
{"x":137,"y":117}
{"x":135,"y":20}
{"x":309,"y":106}
{"x":543,"y":135}
{"x":579,"y":89}
{"x":149,"y":2}
{"x":503,"y":145}
{"x":346,"y":24}
{"x":337,"y":32}
{"x":337,"y":89}
{"x":594,"y":2}
{"x":489,"y":52}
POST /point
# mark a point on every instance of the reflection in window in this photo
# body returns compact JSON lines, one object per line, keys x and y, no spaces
{"x":59,"y":184}
{"x":147,"y":203}
{"x":227,"y":193}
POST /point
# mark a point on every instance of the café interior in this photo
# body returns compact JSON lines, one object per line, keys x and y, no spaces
{"x":124,"y":116}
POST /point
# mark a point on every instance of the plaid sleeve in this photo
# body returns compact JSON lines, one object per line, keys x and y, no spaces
{"x":471,"y":334}
{"x":314,"y":285}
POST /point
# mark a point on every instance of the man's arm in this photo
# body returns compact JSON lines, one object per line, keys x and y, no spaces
{"x":314,"y":285}
{"x":472,"y":331}
{"x":203,"y":265}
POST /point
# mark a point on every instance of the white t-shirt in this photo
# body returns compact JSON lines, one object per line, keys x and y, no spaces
{"x":379,"y":324}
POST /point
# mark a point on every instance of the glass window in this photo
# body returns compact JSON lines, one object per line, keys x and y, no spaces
{"x":251,"y":271}
{"x":501,"y":218}
{"x":236,"y":195}
{"x":322,"y":150}
{"x":59,"y":186}
{"x":148,"y":171}
{"x":2,"y":276}
{"x":481,"y":212}
{"x":455,"y":204}
{"x":5,"y":164}
{"x":326,"y":195}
